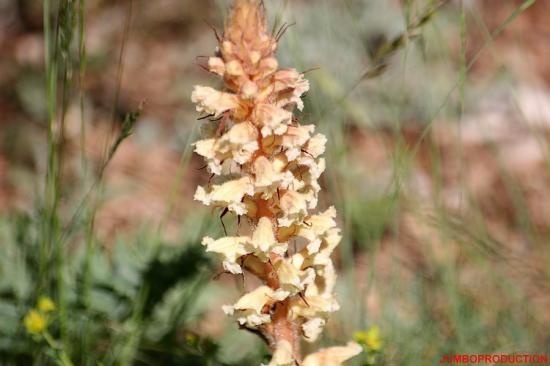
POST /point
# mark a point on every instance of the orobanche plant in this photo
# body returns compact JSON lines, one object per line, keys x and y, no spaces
{"x":265,"y":167}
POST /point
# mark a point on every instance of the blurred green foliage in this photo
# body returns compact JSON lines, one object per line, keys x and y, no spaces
{"x":165,"y":282}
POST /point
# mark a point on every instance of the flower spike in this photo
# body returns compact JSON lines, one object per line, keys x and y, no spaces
{"x":265,"y":167}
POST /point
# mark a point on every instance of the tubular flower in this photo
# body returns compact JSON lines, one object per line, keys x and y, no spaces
{"x":265,"y":168}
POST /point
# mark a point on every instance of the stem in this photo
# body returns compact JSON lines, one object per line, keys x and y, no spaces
{"x":45,"y":245}
{"x":284,"y":329}
{"x":281,"y":329}
{"x":82,"y":71}
{"x":61,"y":354}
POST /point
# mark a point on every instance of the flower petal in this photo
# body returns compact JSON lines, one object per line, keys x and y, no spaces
{"x":282,"y":355}
{"x":313,"y":328}
{"x":212,"y":101}
{"x":248,"y":308}
{"x":333,"y":356}
{"x":229,"y":194}
{"x":231,"y":248}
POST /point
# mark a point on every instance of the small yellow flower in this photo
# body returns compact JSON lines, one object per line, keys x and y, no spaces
{"x":371,"y":338}
{"x":191,"y":339}
{"x":45,"y":304}
{"x":34,"y":322}
{"x":360,"y":336}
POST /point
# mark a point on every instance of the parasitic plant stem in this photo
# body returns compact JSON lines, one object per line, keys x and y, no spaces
{"x":265,"y":168}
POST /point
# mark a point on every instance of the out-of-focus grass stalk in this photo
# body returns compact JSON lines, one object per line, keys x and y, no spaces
{"x":540,"y":138}
{"x":58,"y":62}
{"x":87,"y":276}
{"x":489,"y":40}
{"x":89,"y":237}
{"x":50,"y":95}
{"x":126,"y":344}
{"x":53,"y":187}
{"x":136,"y":328}
{"x":463,"y":74}
{"x":519,"y":201}
{"x":65,"y":29}
{"x":182,"y":167}
{"x":120,"y":70}
{"x":62,"y":357}
{"x":110,"y":148}
{"x":132,"y":338}
{"x":82,"y":72}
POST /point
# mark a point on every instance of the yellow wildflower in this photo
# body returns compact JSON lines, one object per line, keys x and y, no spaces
{"x":371,"y":338}
{"x":45,"y":304}
{"x":35,"y":322}
{"x":191,"y":339}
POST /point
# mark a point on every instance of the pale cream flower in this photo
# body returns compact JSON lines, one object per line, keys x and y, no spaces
{"x":230,"y":248}
{"x":313,"y":328}
{"x":293,"y":184}
{"x":301,"y":259}
{"x":316,"y":145}
{"x":316,"y":225}
{"x":282,"y":355}
{"x":267,"y":67}
{"x":206,"y":148}
{"x":271,"y":119}
{"x":249,"y":90}
{"x":294,"y":206}
{"x":293,"y":202}
{"x":318,"y":249}
{"x":214,"y":159}
{"x":248,"y":309}
{"x":333,"y":356}
{"x":314,"y":246}
{"x":241,"y":137}
{"x":294,"y":139}
{"x":263,"y":237}
{"x":241,"y":142}
{"x":315,"y":167}
{"x":212,"y":101}
{"x":264,"y":242}
{"x":291,"y":279}
{"x":265,"y":173}
{"x":291,"y":85}
{"x":270,"y":176}
{"x":234,"y":68}
{"x":238,"y":144}
{"x":313,"y":306}
{"x":327,"y":275}
{"x":319,"y":296}
{"x":331,"y":239}
{"x":216,"y":65}
{"x":229,"y":194}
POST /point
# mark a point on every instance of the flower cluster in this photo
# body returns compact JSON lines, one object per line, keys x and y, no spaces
{"x":36,"y":320}
{"x":265,"y":168}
